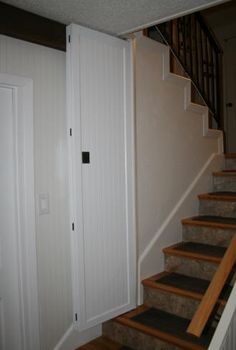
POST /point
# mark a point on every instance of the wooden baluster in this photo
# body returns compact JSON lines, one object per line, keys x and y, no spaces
{"x":184,"y":40}
{"x":212,"y":80}
{"x":201,"y":53}
{"x":190,"y":35}
{"x":196,"y":50}
{"x":207,"y":69}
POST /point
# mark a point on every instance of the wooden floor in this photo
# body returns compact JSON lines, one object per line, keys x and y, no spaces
{"x":103,"y":343}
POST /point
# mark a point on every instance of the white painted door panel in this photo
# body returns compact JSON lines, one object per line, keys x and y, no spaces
{"x":104,"y":209}
{"x":10,"y":325}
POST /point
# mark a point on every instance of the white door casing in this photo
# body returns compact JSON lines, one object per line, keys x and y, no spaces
{"x":17,"y":202}
{"x":10,"y":319}
{"x":100,"y":116}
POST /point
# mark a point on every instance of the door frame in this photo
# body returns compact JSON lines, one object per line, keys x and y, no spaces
{"x":24,"y":181}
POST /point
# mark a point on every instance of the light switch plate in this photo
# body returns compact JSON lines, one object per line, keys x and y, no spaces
{"x":44,"y":204}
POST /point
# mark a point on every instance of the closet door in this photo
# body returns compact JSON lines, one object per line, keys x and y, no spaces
{"x":100,"y":110}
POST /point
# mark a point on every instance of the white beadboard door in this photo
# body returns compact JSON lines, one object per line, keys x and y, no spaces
{"x":100,"y":115}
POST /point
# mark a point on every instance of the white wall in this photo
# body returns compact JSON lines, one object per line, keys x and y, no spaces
{"x":47,"y":69}
{"x":172,"y":155}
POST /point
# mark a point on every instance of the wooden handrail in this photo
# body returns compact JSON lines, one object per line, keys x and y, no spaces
{"x":212,"y":294}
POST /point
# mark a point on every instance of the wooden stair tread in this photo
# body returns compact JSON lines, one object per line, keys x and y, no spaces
{"x":211,"y":221}
{"x":103,"y":343}
{"x":165,"y":326}
{"x":230,"y":155}
{"x":183,"y":285}
{"x":194,"y":250}
{"x":225,"y":173}
{"x":219,"y":196}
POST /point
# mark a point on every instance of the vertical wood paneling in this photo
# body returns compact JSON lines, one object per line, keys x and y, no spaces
{"x":47,"y":69}
{"x":106,"y":201}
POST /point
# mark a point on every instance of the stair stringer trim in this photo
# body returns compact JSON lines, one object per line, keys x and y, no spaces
{"x":188,"y":105}
{"x":72,"y":338}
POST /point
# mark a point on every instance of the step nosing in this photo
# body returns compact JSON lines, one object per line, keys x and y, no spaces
{"x":196,"y":256}
{"x":228,"y":173}
{"x":219,"y":196}
{"x":197,"y":251}
{"x":187,"y":286}
{"x":208,"y":220}
{"x":230,"y":155}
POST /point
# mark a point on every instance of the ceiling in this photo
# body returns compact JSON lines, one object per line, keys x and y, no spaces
{"x":112,"y":16}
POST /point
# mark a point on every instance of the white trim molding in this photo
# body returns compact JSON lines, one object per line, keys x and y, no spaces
{"x":23,"y":109}
{"x":72,"y":338}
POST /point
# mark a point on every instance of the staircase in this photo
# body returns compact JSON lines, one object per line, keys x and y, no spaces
{"x":172,"y":297}
{"x":194,"y":46}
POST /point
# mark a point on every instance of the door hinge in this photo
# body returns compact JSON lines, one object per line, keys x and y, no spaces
{"x":69,"y":38}
{"x":73,"y":226}
{"x":70,"y":131}
{"x":76,"y":317}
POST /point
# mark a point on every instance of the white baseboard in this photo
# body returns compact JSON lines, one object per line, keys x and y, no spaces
{"x":72,"y":339}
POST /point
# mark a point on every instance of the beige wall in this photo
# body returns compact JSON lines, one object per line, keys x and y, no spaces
{"x":171,"y":151}
{"x":47,"y":69}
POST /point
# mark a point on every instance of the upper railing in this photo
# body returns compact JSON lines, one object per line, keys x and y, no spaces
{"x":197,"y":51}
